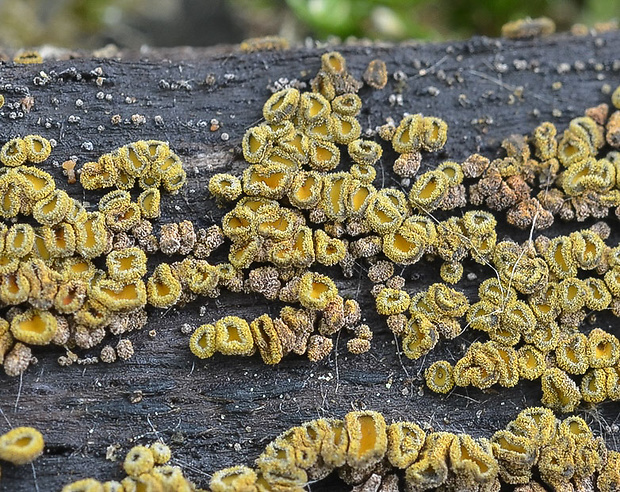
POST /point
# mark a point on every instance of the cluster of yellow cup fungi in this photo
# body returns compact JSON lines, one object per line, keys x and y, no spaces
{"x":52,"y":275}
{"x":534,"y":451}
{"x":295,"y":209}
{"x":147,"y":469}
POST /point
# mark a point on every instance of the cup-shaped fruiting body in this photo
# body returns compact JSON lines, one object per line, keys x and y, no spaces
{"x":559,"y":257}
{"x":234,"y":479}
{"x":242,"y":255}
{"x":572,"y":149}
{"x":266,"y":339}
{"x":38,"y":148}
{"x":603,"y":349}
{"x":119,"y":296}
{"x":405,"y":441}
{"x":170,"y":478}
{"x":515,"y":454}
{"x":225,"y":187}
{"x":12,"y":199}
{"x":323,"y":129}
{"x":434,"y":133}
{"x":367,"y":438}
{"x":531,"y":362}
{"x":478,"y":222}
{"x":428,"y":190}
{"x":451,"y":271}
{"x":233,"y":336}
{"x":472,"y":461}
{"x":481,"y":366}
{"x":14,"y":288}
{"x":163,"y":289}
{"x":384,"y":212}
{"x":201,"y":277}
{"x":392,"y":301}
{"x":92,"y":236}
{"x":267,"y":181}
{"x":364,"y":173}
{"x":70,"y":296}
{"x":76,"y":213}
{"x":545,"y":143}
{"x":365,"y":151}
{"x":14,"y":153}
{"x":76,"y":268}
{"x":328,"y":250}
{"x":359,"y":196}
{"x":149,"y":202}
{"x":536,"y":423}
{"x":21,"y":445}
{"x":313,"y":108}
{"x":92,"y":314}
{"x":281,"y":106}
{"x":345,"y":129}
{"x":19,"y":240}
{"x":202,"y":342}
{"x":305,"y":189}
{"x":134,"y":158}
{"x":545,"y":303}
{"x":126,"y":265}
{"x":52,"y":209}
{"x":316,"y":291}
{"x":571,"y":295}
{"x":431,"y":469}
{"x":139,"y":460}
{"x":560,"y":392}
{"x":279,"y":469}
{"x":612,"y":281}
{"x":174,"y":178}
{"x":586,"y":128}
{"x":96,"y":175}
{"x":598,"y":296}
{"x":239,"y":224}
{"x":34,"y":327}
{"x":347,"y":105}
{"x":594,"y":386}
{"x":409,"y":134}
{"x":572,"y":354}
{"x":324,"y":156}
{"x":287,"y":156}
{"x":36,"y":184}
{"x":439,"y":377}
{"x":114,"y":199}
{"x":588,"y":249}
{"x":419,"y":338}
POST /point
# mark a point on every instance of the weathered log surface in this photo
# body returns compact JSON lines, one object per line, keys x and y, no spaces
{"x":223,"y":411}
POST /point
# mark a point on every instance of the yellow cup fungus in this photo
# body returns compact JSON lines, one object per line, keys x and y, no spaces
{"x":21,"y":445}
{"x":316,"y":290}
{"x":367,"y":438}
{"x":34,"y":327}
{"x":163,"y":289}
{"x":233,"y":336}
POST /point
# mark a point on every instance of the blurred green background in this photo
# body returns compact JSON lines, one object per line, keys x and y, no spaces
{"x":132,"y":23}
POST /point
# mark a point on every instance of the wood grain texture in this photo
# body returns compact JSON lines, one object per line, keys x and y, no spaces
{"x":223,"y":411}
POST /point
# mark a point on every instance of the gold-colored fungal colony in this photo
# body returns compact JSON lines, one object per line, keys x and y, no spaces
{"x":297,"y":209}
{"x":147,"y":469}
{"x":48,"y":273}
{"x":535,"y":451}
